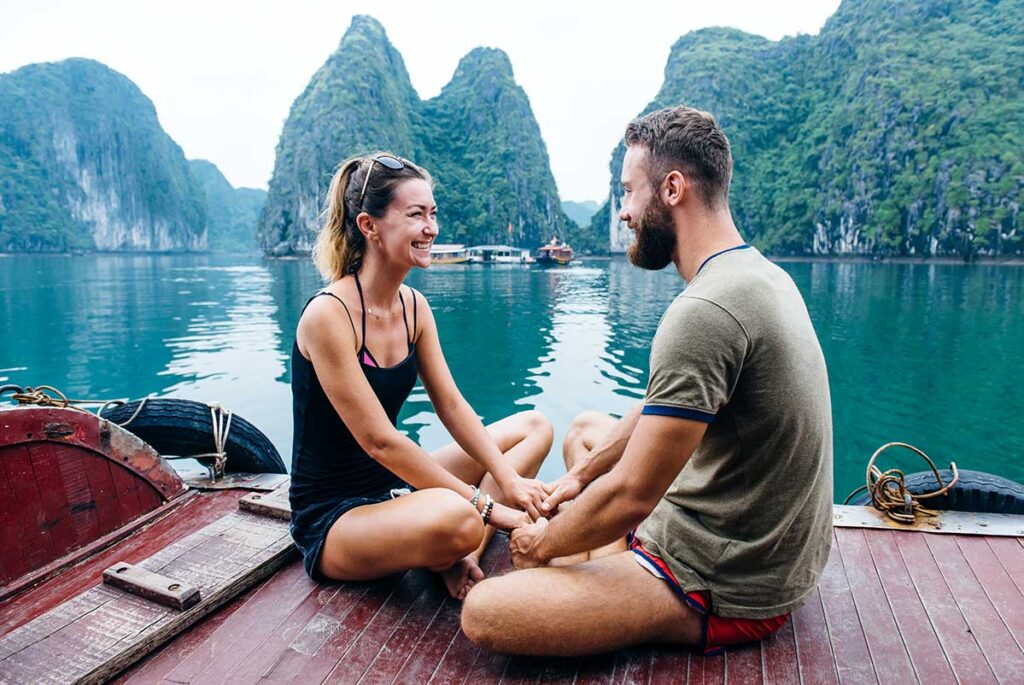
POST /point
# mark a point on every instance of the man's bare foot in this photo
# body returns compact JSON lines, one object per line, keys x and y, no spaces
{"x":462,"y":576}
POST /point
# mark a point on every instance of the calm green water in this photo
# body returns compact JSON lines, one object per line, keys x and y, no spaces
{"x":928,"y":354}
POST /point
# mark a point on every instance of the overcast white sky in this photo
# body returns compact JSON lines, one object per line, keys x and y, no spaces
{"x":223,"y":74}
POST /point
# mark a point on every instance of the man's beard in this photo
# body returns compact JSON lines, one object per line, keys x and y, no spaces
{"x":655,"y":237}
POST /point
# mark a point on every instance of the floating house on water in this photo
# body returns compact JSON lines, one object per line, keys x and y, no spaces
{"x":449,"y":254}
{"x":499,"y":254}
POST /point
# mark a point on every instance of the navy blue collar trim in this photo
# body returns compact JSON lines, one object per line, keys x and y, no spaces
{"x":730,"y":249}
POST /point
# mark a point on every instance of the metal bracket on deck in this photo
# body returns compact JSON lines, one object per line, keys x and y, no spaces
{"x":959,"y":522}
{"x":152,"y":586}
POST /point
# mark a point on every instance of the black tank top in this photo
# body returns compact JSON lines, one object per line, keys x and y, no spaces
{"x":327,"y":462}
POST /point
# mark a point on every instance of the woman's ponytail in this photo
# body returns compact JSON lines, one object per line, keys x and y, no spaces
{"x":339,"y":246}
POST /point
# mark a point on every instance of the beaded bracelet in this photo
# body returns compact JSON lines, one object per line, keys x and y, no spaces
{"x":476,"y":498}
{"x":488,"y":507}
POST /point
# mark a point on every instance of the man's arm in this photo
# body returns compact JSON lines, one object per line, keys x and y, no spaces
{"x":601,"y":458}
{"x":618,"y":501}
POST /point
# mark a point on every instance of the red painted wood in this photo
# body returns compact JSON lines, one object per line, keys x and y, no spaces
{"x":632,"y":666}
{"x":193,"y":514}
{"x":999,"y":588}
{"x":101,"y":486}
{"x":264,"y":656}
{"x":596,"y":670}
{"x":15,"y":561}
{"x":706,"y":670}
{"x":1010,"y":553}
{"x":377,"y":632}
{"x":743,"y":665}
{"x":521,"y":670}
{"x":853,"y":660}
{"x":888,"y":653}
{"x":156,"y":666}
{"x":779,"y":651}
{"x":930,"y":663}
{"x":670,"y":666}
{"x":444,"y":651}
{"x":81,"y":506}
{"x":233,"y":641}
{"x":1002,"y":651}
{"x":351,"y":625}
{"x":958,"y":642}
{"x":813,"y":647}
{"x":126,"y":492}
{"x":27,"y":508}
{"x":318,"y":633}
{"x":53,"y":498}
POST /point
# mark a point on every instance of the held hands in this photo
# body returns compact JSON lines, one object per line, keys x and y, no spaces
{"x":526,"y":494}
{"x":523,"y":544}
{"x":566,"y":488}
{"x":507,"y":518}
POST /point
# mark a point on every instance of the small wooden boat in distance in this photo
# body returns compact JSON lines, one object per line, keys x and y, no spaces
{"x":555,"y":252}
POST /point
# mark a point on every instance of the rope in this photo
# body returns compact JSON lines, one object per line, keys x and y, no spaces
{"x":49,"y":396}
{"x":889,"y":493}
{"x":221,"y":418}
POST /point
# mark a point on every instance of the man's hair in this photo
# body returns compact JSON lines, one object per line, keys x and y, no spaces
{"x":690,"y":141}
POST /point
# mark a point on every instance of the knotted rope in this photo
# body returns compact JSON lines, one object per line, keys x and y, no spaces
{"x":889,"y":492}
{"x":49,"y":396}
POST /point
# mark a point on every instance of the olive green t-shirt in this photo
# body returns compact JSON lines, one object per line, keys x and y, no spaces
{"x":749,"y":517}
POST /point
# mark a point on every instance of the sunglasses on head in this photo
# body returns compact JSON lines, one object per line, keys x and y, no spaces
{"x":390,"y":162}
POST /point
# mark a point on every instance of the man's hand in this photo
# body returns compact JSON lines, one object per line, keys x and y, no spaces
{"x":526,"y":494}
{"x":524,"y":542}
{"x":566,"y":488}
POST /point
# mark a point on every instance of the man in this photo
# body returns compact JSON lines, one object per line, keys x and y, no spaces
{"x":722,"y":479}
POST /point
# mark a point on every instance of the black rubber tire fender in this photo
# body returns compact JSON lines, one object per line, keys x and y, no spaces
{"x":976,"y":491}
{"x":185,"y":427}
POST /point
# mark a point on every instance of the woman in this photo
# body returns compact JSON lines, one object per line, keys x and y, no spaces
{"x":359,"y":347}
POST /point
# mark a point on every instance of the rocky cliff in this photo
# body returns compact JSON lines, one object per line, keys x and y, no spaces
{"x":84,"y":164}
{"x":232,"y":213}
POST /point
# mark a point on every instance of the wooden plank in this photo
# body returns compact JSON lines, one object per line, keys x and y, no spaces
{"x":780,"y":658}
{"x":126,"y":492}
{"x":958,"y":642}
{"x":743,"y":664}
{"x":14,"y":564}
{"x":1011,"y":557}
{"x":706,"y":670}
{"x":152,"y":586}
{"x":101,"y":485}
{"x":885,"y":642}
{"x":522,"y":670}
{"x":103,"y":630}
{"x":926,"y":654}
{"x":272,"y":504}
{"x":669,"y":666}
{"x":33,"y":541}
{"x":79,"y":495}
{"x":379,"y":630}
{"x":632,"y":666}
{"x":444,"y":654}
{"x":343,"y":632}
{"x":853,"y":660}
{"x":595,"y":670}
{"x":813,"y":644}
{"x":1005,"y":597}
{"x":53,"y":499}
{"x":230,"y":646}
{"x":1002,"y":651}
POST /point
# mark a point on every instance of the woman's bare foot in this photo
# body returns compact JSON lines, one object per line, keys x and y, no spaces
{"x":462,"y":576}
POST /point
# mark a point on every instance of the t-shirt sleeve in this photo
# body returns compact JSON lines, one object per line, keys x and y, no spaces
{"x":696,"y":358}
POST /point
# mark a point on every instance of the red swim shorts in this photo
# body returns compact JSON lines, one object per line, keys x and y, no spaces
{"x":718,"y":632}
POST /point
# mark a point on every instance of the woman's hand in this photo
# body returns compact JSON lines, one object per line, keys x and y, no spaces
{"x":507,"y":518}
{"x":526,"y":494}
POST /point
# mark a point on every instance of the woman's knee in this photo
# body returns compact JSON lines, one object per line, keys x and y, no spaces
{"x":452,"y":524}
{"x":585,"y":425}
{"x":537,"y":425}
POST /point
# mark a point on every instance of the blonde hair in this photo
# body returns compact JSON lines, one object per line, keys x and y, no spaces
{"x":340,"y":246}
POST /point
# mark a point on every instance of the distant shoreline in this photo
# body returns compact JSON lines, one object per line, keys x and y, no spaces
{"x":1013,"y":260}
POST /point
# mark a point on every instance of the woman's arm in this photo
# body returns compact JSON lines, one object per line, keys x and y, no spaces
{"x":463,"y":423}
{"x":329,"y":342}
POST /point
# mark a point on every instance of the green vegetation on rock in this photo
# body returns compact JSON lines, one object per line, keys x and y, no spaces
{"x":84,"y":164}
{"x":478,"y":139}
{"x":232,"y":213}
{"x":898,"y":130}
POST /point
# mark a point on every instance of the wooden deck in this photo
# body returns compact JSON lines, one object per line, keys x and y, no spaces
{"x":891,"y":607}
